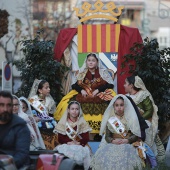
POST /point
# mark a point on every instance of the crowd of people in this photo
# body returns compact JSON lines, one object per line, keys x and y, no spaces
{"x":127,"y":124}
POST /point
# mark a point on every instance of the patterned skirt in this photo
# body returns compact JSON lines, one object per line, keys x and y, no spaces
{"x":80,"y":154}
{"x":50,"y":139}
{"x":116,"y":157}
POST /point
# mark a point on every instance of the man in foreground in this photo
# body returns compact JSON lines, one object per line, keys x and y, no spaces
{"x":14,"y":133}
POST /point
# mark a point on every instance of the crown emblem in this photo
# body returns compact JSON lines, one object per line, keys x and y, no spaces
{"x":114,"y":57}
{"x":99,"y":12}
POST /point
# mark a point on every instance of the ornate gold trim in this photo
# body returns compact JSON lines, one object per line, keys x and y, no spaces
{"x":107,"y":13}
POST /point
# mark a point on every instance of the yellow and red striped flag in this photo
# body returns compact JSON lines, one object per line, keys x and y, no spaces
{"x":98,"y":38}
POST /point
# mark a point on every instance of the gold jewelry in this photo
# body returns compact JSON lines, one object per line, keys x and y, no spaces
{"x":40,"y":95}
{"x":119,"y":115}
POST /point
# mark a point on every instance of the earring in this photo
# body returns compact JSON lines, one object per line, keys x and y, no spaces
{"x":130,"y":92}
{"x":40,"y":95}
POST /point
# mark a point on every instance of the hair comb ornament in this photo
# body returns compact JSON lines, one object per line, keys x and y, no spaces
{"x":73,"y":102}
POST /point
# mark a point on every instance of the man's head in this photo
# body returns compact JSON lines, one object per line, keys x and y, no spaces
{"x":5,"y":107}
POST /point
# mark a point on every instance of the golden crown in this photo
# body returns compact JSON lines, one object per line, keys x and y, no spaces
{"x":99,"y":12}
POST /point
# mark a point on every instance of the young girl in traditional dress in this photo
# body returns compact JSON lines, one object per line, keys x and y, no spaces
{"x":44,"y":107}
{"x":36,"y":140}
{"x":73,"y":135}
{"x":122,"y":128}
{"x":135,"y":88}
{"x":26,"y":108}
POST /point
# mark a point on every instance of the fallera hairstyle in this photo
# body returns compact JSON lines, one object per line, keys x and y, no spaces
{"x":92,"y":54}
{"x":73,"y":102}
{"x":121,"y":98}
{"x":6,"y":94}
{"x":131,"y":80}
{"x":24,"y":102}
{"x":40,"y":86}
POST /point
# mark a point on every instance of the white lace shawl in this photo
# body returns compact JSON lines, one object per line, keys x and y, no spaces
{"x":34,"y":139}
{"x":40,"y":142}
{"x":140,"y":96}
{"x":102,"y":71}
{"x":49,"y":101}
{"x":82,"y":125}
{"x":129,"y":115}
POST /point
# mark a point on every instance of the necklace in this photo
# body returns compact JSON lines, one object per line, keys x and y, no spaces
{"x":92,"y":71}
{"x":120,"y":116}
{"x":72,"y":120}
{"x":42,"y":101}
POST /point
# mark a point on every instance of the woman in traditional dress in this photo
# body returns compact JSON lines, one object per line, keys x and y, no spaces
{"x":41,"y":91}
{"x":136,"y":89}
{"x":73,"y":135}
{"x":35,"y":138}
{"x":93,"y":89}
{"x":122,"y":128}
{"x":26,"y":108}
{"x":44,"y":107}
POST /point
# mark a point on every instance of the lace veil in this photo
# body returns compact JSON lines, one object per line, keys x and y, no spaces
{"x":34,"y":88}
{"x":143,"y":93}
{"x":39,"y":141}
{"x":29,"y":112}
{"x":82,"y":125}
{"x":50,"y":103}
{"x":20,"y":112}
{"x":102,"y":71}
{"x":139,"y":83}
{"x":129,"y":114}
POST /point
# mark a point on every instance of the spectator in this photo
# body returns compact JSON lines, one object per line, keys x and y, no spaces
{"x":14,"y":133}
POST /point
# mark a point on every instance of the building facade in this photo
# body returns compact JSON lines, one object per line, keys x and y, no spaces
{"x":27,"y":16}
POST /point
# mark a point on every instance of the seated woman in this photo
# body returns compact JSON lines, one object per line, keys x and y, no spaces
{"x":41,"y":100}
{"x":73,"y":135}
{"x":26,"y":108}
{"x":122,"y":128}
{"x":41,"y":91}
{"x":17,"y":109}
{"x":136,"y":89}
{"x":93,"y":89}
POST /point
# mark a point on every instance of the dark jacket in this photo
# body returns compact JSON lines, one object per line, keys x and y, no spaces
{"x":16,"y":141}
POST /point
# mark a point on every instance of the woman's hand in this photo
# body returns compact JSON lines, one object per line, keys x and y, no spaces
{"x":95,"y":92}
{"x":73,"y":143}
{"x":70,"y":143}
{"x":116,"y":141}
{"x":124,"y":141}
{"x":84,"y":93}
{"x":120,"y":141}
{"x":76,"y":143}
{"x":37,"y":119}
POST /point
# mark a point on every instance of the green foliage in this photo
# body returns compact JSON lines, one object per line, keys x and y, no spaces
{"x":3,"y":22}
{"x":153,"y":66}
{"x":39,"y":63}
